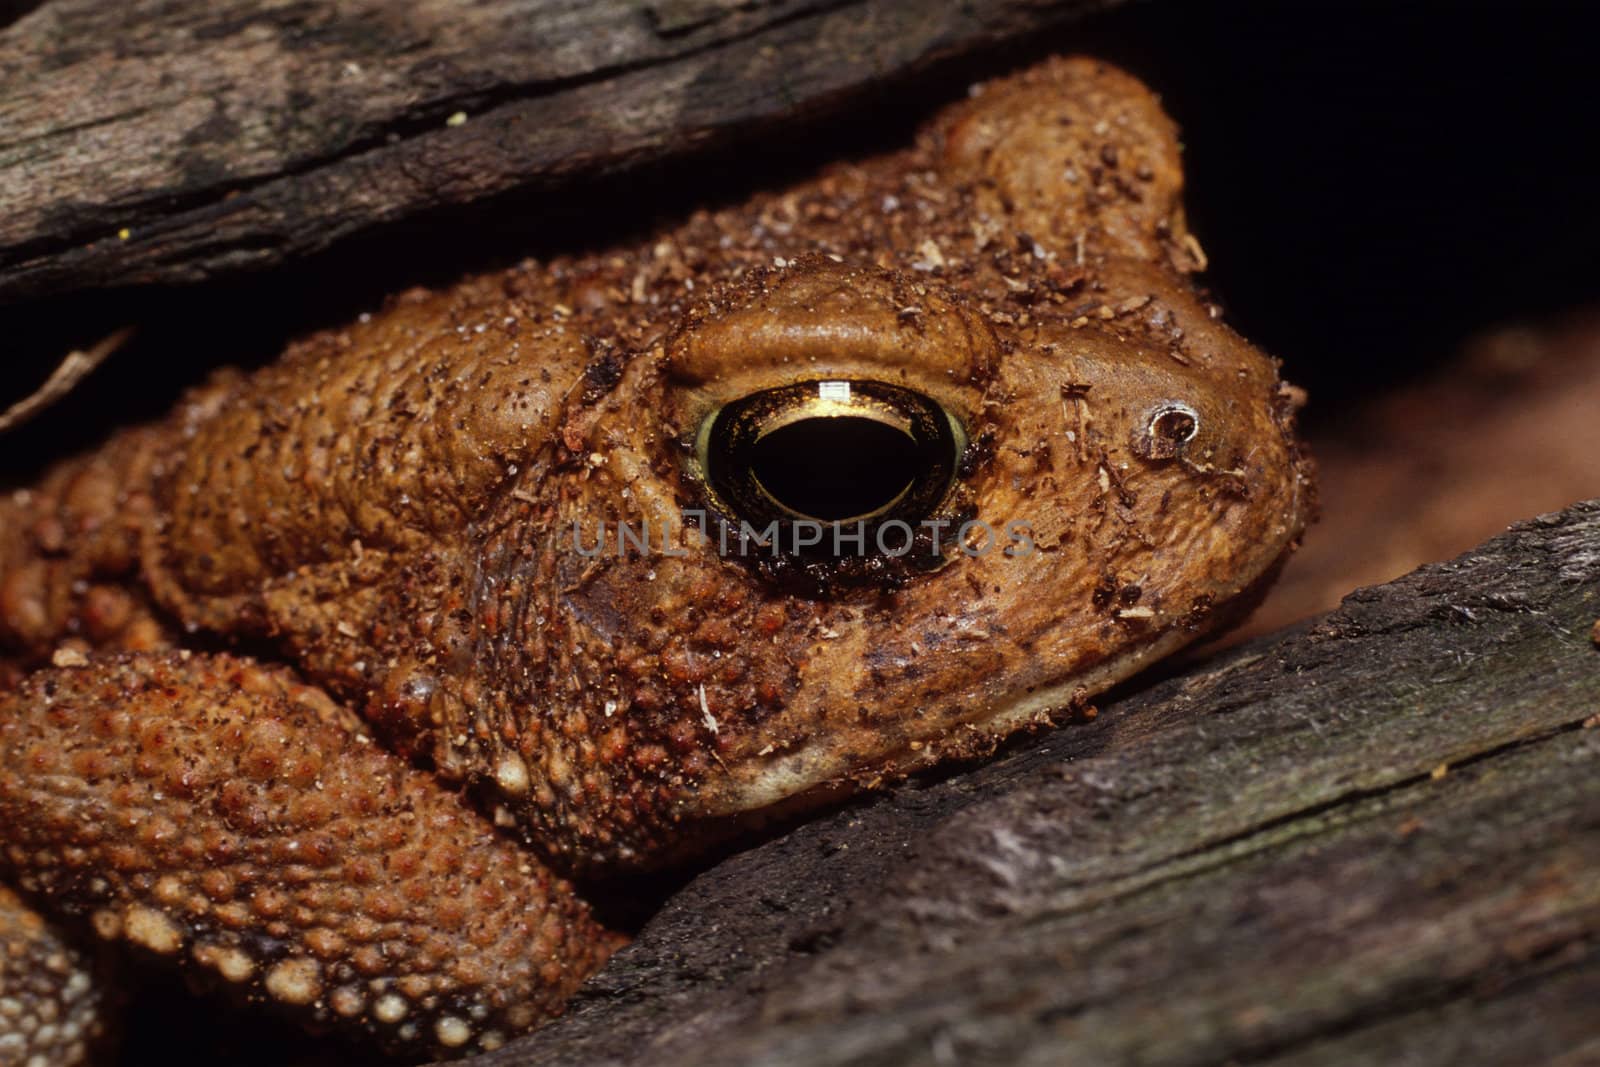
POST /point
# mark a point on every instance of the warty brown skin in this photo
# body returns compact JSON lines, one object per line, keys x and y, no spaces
{"x":390,"y":508}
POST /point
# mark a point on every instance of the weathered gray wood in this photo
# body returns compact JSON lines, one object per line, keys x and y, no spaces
{"x":171,"y":140}
{"x":1375,"y":839}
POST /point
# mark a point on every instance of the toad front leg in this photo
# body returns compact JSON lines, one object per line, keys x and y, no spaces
{"x":220,"y":813}
{"x":52,"y":1009}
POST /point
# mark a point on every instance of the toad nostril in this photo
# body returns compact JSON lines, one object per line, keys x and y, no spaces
{"x":1170,"y":426}
{"x":830,"y":451}
{"x":1175,"y":423}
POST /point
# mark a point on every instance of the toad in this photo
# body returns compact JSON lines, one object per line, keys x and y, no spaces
{"x":330,"y":687}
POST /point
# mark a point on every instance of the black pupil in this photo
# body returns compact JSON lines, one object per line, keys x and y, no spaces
{"x":832,"y":468}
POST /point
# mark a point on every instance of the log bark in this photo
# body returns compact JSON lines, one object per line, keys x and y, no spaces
{"x":169,"y":141}
{"x":1374,"y":839}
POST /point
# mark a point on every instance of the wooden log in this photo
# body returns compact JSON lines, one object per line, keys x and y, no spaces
{"x":163,"y":141}
{"x":1375,"y":839}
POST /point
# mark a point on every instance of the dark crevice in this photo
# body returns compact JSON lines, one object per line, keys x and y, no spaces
{"x":1218,"y":850}
{"x":1551,"y":961}
{"x":76,"y":127}
{"x":1354,"y":797}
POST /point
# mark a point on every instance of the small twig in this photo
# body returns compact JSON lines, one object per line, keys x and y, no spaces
{"x":72,"y":370}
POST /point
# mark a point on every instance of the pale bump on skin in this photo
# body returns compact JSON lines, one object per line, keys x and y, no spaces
{"x":232,"y":964}
{"x":347,"y":1001}
{"x":51,"y":999}
{"x":297,"y":981}
{"x":452,"y":1032}
{"x":151,"y":930}
{"x":390,"y":1008}
{"x":382,"y":508}
{"x":511,"y":775}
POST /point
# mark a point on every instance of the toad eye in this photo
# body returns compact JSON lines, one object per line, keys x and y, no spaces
{"x":830,"y":452}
